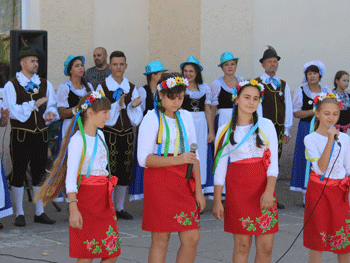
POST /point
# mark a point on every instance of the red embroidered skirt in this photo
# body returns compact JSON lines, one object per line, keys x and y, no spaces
{"x":329,"y":226}
{"x":245,"y":183}
{"x":169,"y":200}
{"x":99,"y":237}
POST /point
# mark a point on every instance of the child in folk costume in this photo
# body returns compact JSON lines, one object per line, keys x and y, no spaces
{"x":5,"y":201}
{"x":172,"y":203}
{"x":341,"y":83}
{"x":328,"y":227}
{"x":93,"y":230}
{"x":154,"y":71}
{"x":250,"y":179}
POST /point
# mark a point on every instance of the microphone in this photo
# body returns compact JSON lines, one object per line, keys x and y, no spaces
{"x":193,"y":149}
{"x":336,"y":138}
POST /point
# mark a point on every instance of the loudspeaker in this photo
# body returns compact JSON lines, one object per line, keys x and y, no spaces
{"x":35,"y":38}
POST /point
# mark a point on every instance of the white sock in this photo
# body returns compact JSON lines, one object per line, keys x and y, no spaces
{"x":119,"y":197}
{"x":18,"y":197}
{"x":39,"y":208}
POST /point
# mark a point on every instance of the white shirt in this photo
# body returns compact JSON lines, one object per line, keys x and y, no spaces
{"x":203,"y":90}
{"x":135,"y":114}
{"x":288,"y":120}
{"x":315,"y":144}
{"x":23,"y":111}
{"x":148,"y":133}
{"x":215,"y":88}
{"x":63,"y":91}
{"x":75,"y":148}
{"x":248,"y":149}
{"x":298,"y":96}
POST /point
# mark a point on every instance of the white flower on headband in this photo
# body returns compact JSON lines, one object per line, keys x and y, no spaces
{"x":171,"y":82}
{"x":84,"y":106}
{"x":96,"y":95}
{"x":243,"y":83}
{"x":159,"y":87}
{"x":186,"y":82}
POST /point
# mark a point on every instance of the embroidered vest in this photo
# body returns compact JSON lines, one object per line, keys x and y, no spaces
{"x":123,"y":123}
{"x":307,"y":105}
{"x":274,"y":107}
{"x":225,"y":99}
{"x":193,"y":105}
{"x":35,"y":122}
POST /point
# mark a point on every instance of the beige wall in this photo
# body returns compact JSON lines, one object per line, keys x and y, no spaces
{"x":123,"y":25}
{"x":174,"y":31}
{"x":302,"y":31}
{"x":70,"y":31}
{"x":227,"y":25}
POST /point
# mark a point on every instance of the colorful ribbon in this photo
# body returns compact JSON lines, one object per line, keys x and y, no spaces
{"x":274,"y":81}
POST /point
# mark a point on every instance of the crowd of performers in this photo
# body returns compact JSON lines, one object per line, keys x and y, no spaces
{"x":248,"y":121}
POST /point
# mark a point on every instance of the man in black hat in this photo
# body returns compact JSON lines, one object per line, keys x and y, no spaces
{"x":277,"y":103}
{"x":31,"y":101}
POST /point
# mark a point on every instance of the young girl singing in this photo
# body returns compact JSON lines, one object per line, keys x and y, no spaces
{"x":250,"y":178}
{"x":328,"y":228}
{"x":93,"y":229}
{"x":172,"y":203}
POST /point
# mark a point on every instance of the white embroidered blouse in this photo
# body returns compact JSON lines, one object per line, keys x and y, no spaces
{"x":75,"y":148}
{"x":248,"y":149}
{"x":148,"y":133}
{"x":315,"y":144}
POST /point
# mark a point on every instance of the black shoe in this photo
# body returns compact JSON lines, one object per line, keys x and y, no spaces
{"x":124,"y":215}
{"x":20,"y":221}
{"x":44,"y":219}
{"x":1,"y":226}
{"x":280,"y":206}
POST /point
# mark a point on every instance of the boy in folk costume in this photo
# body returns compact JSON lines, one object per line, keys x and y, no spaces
{"x":31,"y":101}
{"x":125,"y":113}
{"x":277,"y":103}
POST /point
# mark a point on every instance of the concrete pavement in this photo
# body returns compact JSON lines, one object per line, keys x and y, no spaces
{"x":214,"y":246}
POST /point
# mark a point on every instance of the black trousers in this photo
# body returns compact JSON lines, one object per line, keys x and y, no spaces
{"x":27,"y":147}
{"x":120,"y":146}
{"x":280,"y":135}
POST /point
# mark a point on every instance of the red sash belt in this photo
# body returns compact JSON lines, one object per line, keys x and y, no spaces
{"x":343,"y":184}
{"x":101,"y":180}
{"x":265,"y":159}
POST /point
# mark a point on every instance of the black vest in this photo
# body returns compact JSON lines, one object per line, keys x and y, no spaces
{"x":307,"y":105}
{"x":225,"y":99}
{"x":193,"y":105}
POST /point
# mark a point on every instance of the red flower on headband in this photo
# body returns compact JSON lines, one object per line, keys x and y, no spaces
{"x":238,"y":87}
{"x":262,"y":92}
{"x":316,"y":99}
{"x":163,"y":84}
{"x":340,"y":104}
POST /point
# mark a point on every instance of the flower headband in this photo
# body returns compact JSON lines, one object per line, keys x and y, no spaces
{"x":323,"y":96}
{"x":244,"y":83}
{"x":172,"y":82}
{"x":94,"y":95}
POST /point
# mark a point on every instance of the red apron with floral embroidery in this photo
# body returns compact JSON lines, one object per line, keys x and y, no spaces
{"x":99,"y":237}
{"x":329,"y":226}
{"x":169,"y":200}
{"x":245,"y":183}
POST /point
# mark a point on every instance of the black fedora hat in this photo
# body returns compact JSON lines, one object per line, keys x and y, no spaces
{"x":269,"y":53}
{"x":27,"y":51}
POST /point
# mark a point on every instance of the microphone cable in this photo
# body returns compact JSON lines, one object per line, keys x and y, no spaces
{"x":285,"y":253}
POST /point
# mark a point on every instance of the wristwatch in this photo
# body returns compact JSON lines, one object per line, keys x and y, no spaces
{"x":74,"y":111}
